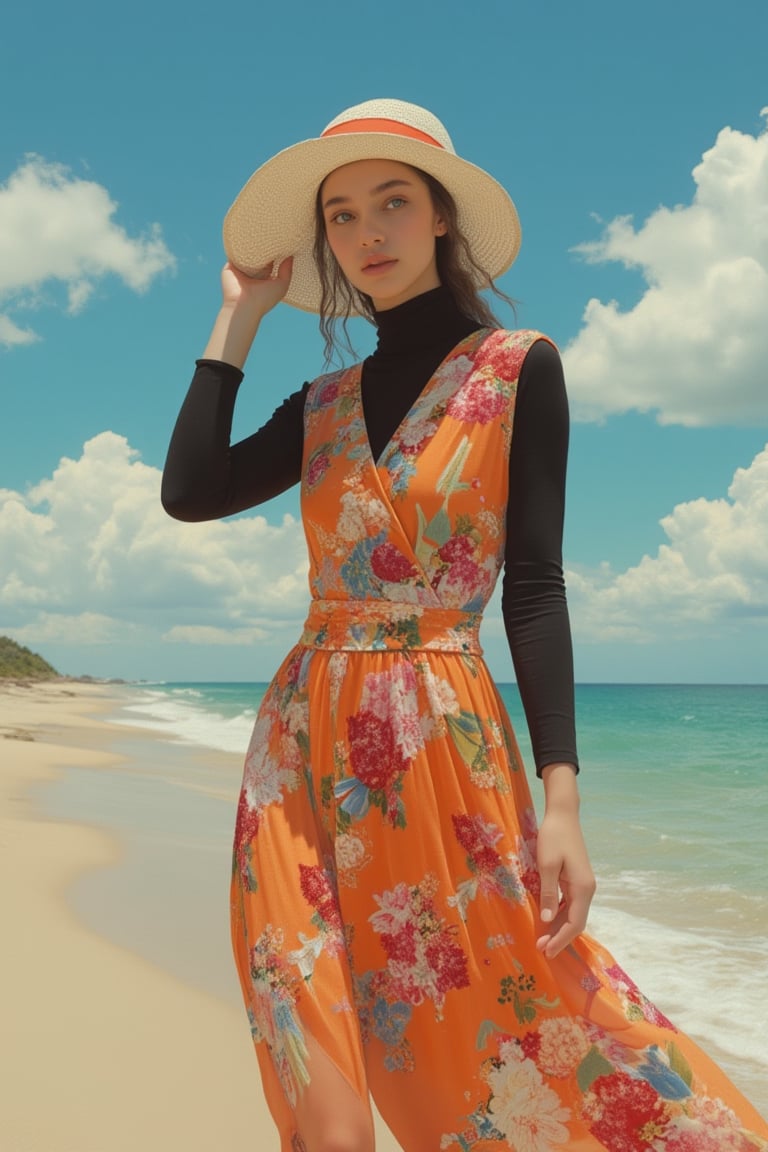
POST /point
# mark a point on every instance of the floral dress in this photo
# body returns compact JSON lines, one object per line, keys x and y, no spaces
{"x":385,"y":890}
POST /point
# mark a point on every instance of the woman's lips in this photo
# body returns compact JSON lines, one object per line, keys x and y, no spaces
{"x":379,"y":266}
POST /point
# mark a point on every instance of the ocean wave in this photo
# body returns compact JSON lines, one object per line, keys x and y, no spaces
{"x":184,"y":716}
{"x":711,"y":988}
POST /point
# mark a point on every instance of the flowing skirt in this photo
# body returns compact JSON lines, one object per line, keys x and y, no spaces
{"x":385,"y":903}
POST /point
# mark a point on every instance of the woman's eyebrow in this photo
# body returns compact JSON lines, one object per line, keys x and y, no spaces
{"x":398,"y":183}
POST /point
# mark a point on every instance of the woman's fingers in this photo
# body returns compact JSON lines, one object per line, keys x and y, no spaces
{"x":262,"y":289}
{"x":569,"y":921}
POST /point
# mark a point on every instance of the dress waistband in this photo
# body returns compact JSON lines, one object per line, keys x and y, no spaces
{"x":378,"y":625}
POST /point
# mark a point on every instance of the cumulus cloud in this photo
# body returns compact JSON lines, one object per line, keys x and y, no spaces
{"x":89,"y":561}
{"x":11,"y":333}
{"x":85,"y":628}
{"x":713,"y":571}
{"x":200,"y":634}
{"x":88,"y":555}
{"x":694,"y":348}
{"x":56,"y":227}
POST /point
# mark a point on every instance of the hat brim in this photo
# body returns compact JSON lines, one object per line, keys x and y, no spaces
{"x":274,"y":215}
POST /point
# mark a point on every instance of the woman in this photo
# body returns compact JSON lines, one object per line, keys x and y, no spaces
{"x":400,"y":927}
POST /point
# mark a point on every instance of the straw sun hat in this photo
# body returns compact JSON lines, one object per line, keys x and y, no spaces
{"x":274,"y":214}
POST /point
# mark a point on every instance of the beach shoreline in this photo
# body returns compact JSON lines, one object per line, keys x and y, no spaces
{"x":106,"y":1050}
{"x":166,"y":1061}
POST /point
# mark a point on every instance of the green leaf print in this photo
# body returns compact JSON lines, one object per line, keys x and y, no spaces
{"x":517,"y":991}
{"x":251,"y":883}
{"x":347,"y":405}
{"x":524,"y":1010}
{"x":309,"y":785}
{"x":467,"y":733}
{"x":422,"y":549}
{"x":407,"y":632}
{"x":449,"y":481}
{"x":486,"y":1030}
{"x":592,"y":1066}
{"x":343,"y":821}
{"x":679,"y":1064}
{"x":439,"y":528}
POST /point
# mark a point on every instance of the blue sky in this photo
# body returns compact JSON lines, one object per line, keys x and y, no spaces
{"x":634,"y":143}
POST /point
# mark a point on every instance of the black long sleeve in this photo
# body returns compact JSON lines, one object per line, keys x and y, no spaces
{"x":533,"y":602}
{"x":206,"y":478}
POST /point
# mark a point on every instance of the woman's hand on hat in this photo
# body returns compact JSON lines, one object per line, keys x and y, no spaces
{"x":245,"y":302}
{"x":261,"y":291}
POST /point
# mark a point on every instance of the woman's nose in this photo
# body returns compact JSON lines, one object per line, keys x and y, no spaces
{"x":370,"y":233}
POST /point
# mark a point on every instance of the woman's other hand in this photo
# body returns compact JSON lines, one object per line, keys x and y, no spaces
{"x":567,"y":879}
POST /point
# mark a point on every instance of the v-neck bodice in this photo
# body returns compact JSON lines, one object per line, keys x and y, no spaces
{"x":425,"y":524}
{"x":422,"y":400}
{"x":413,"y":340}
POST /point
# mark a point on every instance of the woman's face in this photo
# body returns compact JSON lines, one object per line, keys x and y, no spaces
{"x":381,"y":226}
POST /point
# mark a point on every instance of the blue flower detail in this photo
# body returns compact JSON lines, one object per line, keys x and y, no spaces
{"x":354,"y":796}
{"x":401,"y":469}
{"x":661,"y":1077}
{"x":357,"y":572}
{"x":390,"y":1020}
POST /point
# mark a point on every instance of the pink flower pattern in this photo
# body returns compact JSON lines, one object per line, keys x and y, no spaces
{"x":424,"y":960}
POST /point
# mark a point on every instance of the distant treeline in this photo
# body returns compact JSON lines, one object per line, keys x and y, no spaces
{"x":18,"y":663}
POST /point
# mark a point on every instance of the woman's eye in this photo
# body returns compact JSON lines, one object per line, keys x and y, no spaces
{"x":341,"y":217}
{"x":396,"y":202}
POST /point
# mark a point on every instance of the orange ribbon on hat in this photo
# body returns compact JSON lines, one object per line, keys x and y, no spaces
{"x":392,"y":127}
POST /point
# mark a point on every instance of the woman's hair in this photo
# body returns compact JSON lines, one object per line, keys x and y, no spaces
{"x":339,"y":299}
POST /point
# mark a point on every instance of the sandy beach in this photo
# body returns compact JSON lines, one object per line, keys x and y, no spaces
{"x":123,"y":1026}
{"x":103,"y":1051}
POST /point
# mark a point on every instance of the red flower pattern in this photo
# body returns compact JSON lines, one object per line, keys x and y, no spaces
{"x":530,"y":1045}
{"x":401,"y":946}
{"x":477,"y":841}
{"x":317,"y":467}
{"x":246,"y":827}
{"x":424,"y":959}
{"x":329,"y":392}
{"x":373,"y":750}
{"x":448,"y":962}
{"x":318,"y":891}
{"x":478,"y":401}
{"x":389,"y":564}
{"x":456,"y":548}
{"x":621,"y":982}
{"x":247,"y":823}
{"x":629,"y":1113}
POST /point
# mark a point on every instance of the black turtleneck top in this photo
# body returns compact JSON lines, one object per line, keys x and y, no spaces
{"x":206,"y":478}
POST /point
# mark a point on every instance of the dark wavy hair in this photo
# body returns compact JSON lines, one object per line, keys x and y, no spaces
{"x":457,"y":269}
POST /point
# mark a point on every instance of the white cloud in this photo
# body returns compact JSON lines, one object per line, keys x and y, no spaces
{"x":11,"y":334}
{"x":55,"y":226}
{"x":200,"y":634}
{"x":91,"y":548}
{"x":86,"y":628}
{"x":91,"y":564}
{"x":695,"y":346}
{"x":712,"y":573}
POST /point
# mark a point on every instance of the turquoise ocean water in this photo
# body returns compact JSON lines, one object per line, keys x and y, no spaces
{"x":675,"y":777}
{"x":675,"y":810}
